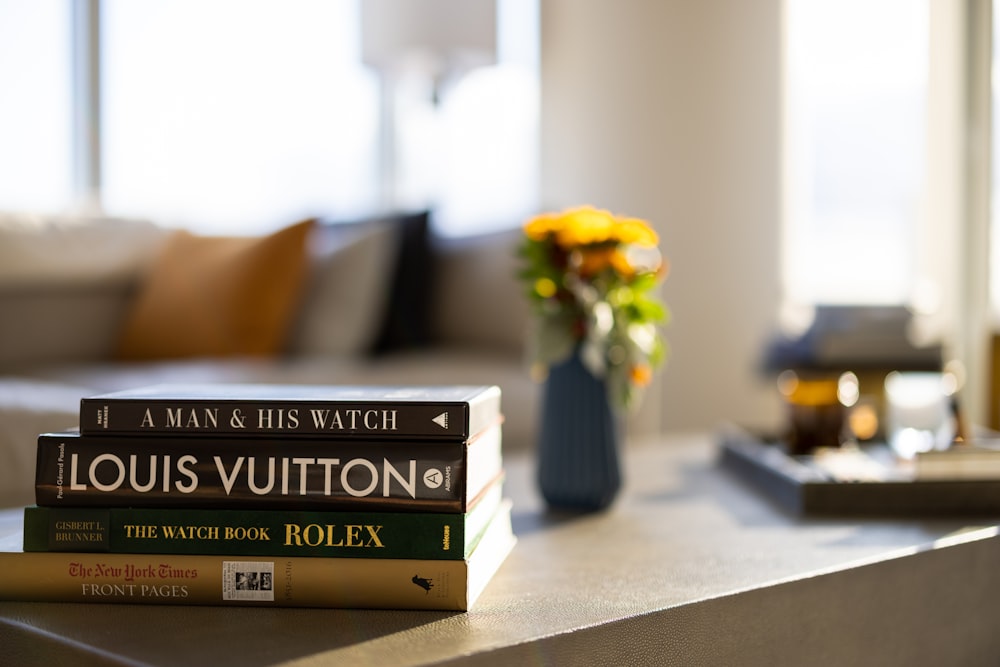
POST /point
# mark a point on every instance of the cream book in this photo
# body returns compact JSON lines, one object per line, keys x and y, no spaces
{"x":959,"y":462}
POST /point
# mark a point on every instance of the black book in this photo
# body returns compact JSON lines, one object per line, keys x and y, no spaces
{"x":75,"y":470}
{"x":452,"y":412}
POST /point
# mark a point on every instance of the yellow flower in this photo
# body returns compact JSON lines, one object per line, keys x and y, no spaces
{"x":539,"y":227}
{"x":545,"y":288}
{"x":585,"y":226}
{"x":637,"y":232}
{"x":573,"y":227}
{"x":622,"y":265}
{"x":591,"y":261}
{"x":641,"y":375}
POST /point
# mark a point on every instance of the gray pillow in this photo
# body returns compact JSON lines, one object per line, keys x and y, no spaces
{"x":347,"y":291}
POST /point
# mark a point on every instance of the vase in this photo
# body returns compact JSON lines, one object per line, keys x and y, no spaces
{"x":578,"y":447}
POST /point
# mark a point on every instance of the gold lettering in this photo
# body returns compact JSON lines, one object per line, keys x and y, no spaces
{"x":292,"y":535}
{"x":314,"y":535}
{"x":140,"y":532}
{"x":373,"y":538}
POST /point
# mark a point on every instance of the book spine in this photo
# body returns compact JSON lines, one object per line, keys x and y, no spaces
{"x":234,"y":581}
{"x":118,"y":471}
{"x":248,"y":532}
{"x":447,"y":420}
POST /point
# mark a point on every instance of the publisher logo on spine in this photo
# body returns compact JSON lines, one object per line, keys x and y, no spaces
{"x":434,"y":478}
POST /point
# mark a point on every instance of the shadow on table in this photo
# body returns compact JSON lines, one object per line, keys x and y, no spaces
{"x":210,"y":636}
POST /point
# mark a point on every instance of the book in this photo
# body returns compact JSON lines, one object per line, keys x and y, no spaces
{"x":969,"y":460}
{"x":454,"y":412}
{"x":223,"y":580}
{"x":253,"y":473}
{"x":260,"y":532}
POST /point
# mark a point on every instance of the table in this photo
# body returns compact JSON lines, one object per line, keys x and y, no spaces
{"x":690,"y":566}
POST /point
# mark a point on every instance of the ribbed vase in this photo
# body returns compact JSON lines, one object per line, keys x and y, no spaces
{"x":578,"y":449}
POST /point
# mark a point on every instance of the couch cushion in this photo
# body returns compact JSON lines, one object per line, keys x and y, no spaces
{"x":218,"y":296}
{"x":51,"y":324}
{"x":347,"y":289}
{"x":65,"y":285}
{"x":74,"y":250}
{"x":27,"y":408}
{"x":478,"y":298}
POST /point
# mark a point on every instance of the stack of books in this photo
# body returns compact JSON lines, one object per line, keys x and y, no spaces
{"x":306,"y":496}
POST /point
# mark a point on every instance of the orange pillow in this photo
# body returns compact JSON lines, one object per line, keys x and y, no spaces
{"x":218,"y":296}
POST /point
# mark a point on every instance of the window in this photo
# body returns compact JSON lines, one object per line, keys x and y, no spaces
{"x":36,"y":144}
{"x":888,"y":167}
{"x":236,"y":114}
{"x":244,"y":115}
{"x":856,"y":90}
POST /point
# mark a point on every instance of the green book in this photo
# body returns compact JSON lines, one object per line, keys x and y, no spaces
{"x":444,"y":536}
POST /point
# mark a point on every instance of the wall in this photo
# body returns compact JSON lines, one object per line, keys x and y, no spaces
{"x":670,"y":110}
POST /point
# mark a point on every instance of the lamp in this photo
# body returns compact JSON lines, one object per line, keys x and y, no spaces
{"x":443,"y":35}
{"x":432,"y":41}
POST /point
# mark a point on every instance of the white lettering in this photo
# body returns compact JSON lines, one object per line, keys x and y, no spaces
{"x":228,"y":480}
{"x":365,"y":463}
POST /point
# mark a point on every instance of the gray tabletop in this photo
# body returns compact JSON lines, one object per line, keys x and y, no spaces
{"x":690,"y":565}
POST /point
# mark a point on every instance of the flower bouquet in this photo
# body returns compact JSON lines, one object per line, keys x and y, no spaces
{"x":591,"y":279}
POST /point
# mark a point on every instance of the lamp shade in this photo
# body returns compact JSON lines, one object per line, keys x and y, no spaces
{"x":447,"y":32}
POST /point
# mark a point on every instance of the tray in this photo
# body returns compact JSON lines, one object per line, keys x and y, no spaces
{"x":799,"y":485}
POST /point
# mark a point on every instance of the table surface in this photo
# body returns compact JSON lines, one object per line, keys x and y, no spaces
{"x":683,"y":532}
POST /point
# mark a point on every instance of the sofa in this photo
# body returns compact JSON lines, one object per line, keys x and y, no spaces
{"x":96,"y":304}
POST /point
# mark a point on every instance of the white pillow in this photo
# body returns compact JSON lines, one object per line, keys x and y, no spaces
{"x":348,"y":290}
{"x":43,"y":250}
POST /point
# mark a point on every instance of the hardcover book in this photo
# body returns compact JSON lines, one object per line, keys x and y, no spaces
{"x":453,"y":412}
{"x":75,"y":470}
{"x":224,"y":580}
{"x":260,"y":532}
{"x":965,"y":461}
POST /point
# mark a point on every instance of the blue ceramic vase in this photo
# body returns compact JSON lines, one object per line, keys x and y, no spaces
{"x":578,"y":457}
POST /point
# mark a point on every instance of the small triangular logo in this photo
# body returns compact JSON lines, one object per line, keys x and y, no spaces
{"x":441,"y":420}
